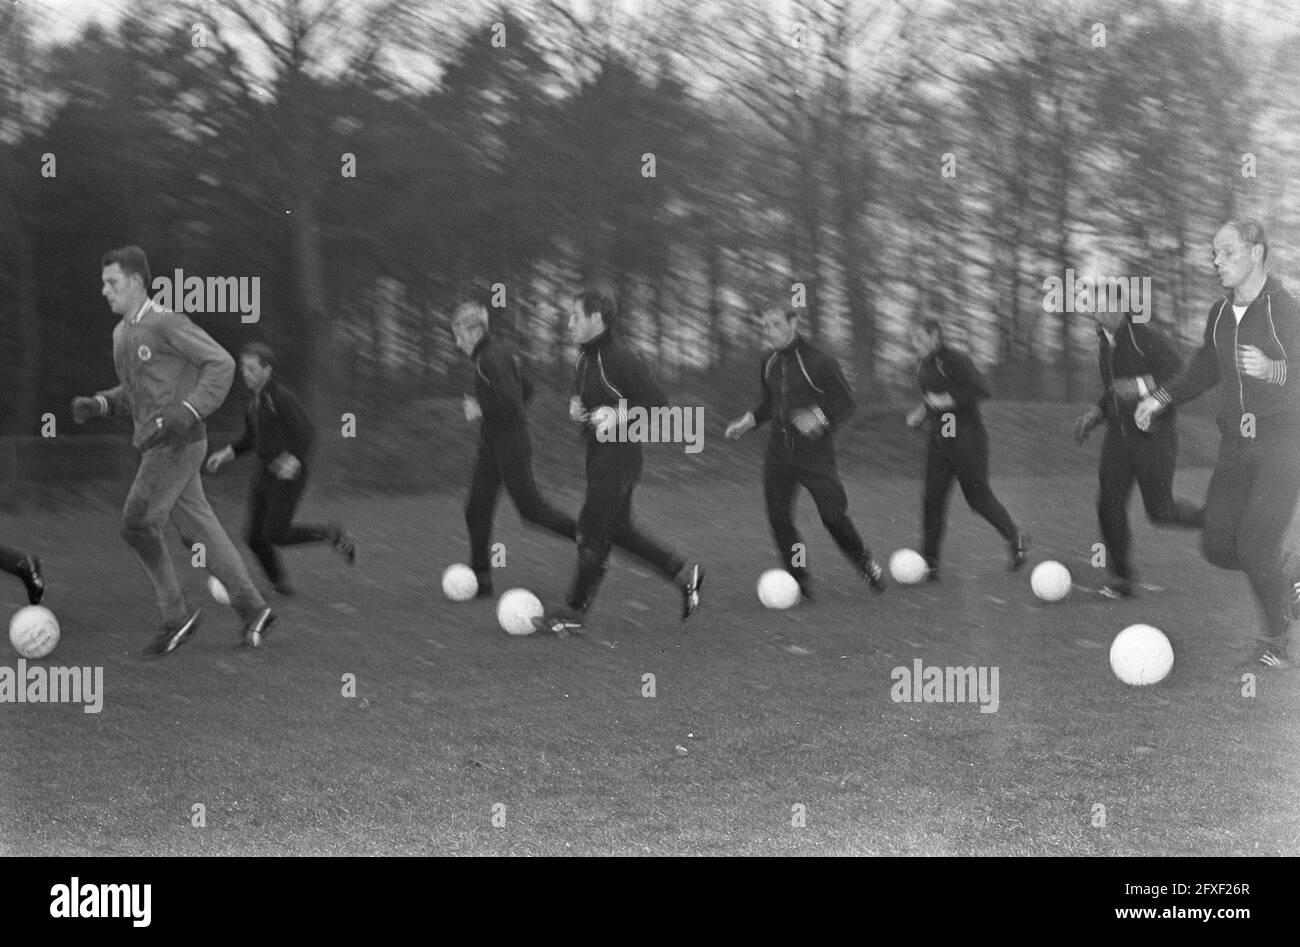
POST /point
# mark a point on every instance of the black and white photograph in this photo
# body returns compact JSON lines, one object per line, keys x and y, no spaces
{"x":651,"y":428}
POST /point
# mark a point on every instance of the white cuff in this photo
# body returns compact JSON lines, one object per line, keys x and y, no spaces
{"x":103,"y":404}
{"x":821,"y":416}
{"x":191,"y":407}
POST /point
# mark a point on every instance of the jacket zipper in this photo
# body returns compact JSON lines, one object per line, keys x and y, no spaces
{"x":785,"y":403}
{"x":1119,"y":413}
{"x":1241,"y":393}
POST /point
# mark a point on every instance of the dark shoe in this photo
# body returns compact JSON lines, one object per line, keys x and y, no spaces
{"x":561,"y":624}
{"x":484,"y":589}
{"x":874,"y":574}
{"x":255,"y":631}
{"x":173,"y":636}
{"x":932,"y":574}
{"x":344,"y":544}
{"x":29,"y":570}
{"x":1019,"y":551}
{"x":691,"y":590}
{"x":1117,"y":589}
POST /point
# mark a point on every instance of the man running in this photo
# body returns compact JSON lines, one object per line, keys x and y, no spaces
{"x":609,"y":381}
{"x":805,"y":397}
{"x":505,"y":451}
{"x":278,"y":430}
{"x":171,"y":376}
{"x":1134,"y":359}
{"x":1252,"y":518}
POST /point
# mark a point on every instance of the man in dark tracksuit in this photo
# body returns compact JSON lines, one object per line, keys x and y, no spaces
{"x":806,"y":398}
{"x":279,"y":431}
{"x":505,"y":451}
{"x":28,"y":568}
{"x":1252,"y":506}
{"x":609,"y":381}
{"x":1134,"y":359}
{"x":951,"y":389}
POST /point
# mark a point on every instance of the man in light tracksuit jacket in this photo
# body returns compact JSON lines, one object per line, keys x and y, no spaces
{"x":171,"y":376}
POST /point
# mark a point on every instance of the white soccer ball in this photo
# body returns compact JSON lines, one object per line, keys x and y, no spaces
{"x":516,"y":610}
{"x":34,"y":631}
{"x":1141,"y":654}
{"x":459,"y":583}
{"x":907,"y":566}
{"x":1050,"y":581}
{"x":777,"y":589}
{"x":218,"y":591}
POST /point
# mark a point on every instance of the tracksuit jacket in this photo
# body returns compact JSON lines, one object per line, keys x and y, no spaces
{"x":605,"y":373}
{"x":501,"y":387}
{"x":275,"y":423}
{"x":1139,"y":351}
{"x":801,"y":377}
{"x":162,"y":360}
{"x":1272,"y":324}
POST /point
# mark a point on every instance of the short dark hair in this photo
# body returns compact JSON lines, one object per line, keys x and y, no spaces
{"x":260,"y":351}
{"x":599,"y":299}
{"x":1251,"y":231}
{"x":132,"y":260}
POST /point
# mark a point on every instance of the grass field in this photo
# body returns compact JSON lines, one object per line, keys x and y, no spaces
{"x":758,"y":717}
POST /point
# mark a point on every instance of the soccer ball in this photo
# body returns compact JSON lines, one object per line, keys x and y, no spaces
{"x":34,"y":631}
{"x":1050,"y":581}
{"x":459,"y":583}
{"x":1141,"y":654}
{"x":516,"y":610}
{"x":218,"y":591}
{"x":907,"y":567}
{"x":777,"y":589}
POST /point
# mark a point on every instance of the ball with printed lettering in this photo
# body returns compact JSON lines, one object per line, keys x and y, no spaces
{"x":516,"y":610}
{"x":1050,"y":581}
{"x":1141,"y":654}
{"x":34,"y":631}
{"x":907,"y":566}
{"x":218,"y":591}
{"x":459,"y":583}
{"x":777,"y":589}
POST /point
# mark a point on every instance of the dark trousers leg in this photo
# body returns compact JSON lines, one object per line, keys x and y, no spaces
{"x":934,"y":501}
{"x":515,"y":467}
{"x":1157,"y":458}
{"x":1116,"y":475}
{"x":972,"y":469}
{"x":1269,"y":531}
{"x":630,"y":539}
{"x":11,"y":559}
{"x":820,"y":478}
{"x":779,"y":485}
{"x":1225,"y":500}
{"x":480,"y":507}
{"x":606,"y":521}
{"x":280,"y":528}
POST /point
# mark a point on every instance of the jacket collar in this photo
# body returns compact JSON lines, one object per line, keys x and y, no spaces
{"x":601,"y":341}
{"x":1271,"y":285}
{"x":791,"y":347}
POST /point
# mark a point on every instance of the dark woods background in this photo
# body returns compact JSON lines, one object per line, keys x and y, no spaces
{"x":791,"y":143}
